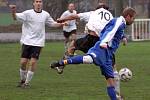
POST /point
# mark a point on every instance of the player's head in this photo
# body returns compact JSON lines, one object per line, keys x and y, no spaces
{"x":129,"y":15}
{"x":102,"y":5}
{"x":71,"y":7}
{"x":37,"y":4}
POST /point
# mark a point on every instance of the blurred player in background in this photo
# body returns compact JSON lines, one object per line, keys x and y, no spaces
{"x":33,"y":37}
{"x":69,"y":30}
{"x":102,"y":52}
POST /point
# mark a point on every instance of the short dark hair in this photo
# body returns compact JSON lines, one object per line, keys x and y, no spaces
{"x":34,"y":1}
{"x":102,"y":5}
{"x":128,"y":11}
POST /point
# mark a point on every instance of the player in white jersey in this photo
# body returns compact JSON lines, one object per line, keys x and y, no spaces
{"x":33,"y":37}
{"x":69,"y":30}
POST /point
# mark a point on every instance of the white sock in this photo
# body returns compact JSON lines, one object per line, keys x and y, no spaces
{"x":29,"y":76}
{"x":117,"y":82}
{"x":23,"y":74}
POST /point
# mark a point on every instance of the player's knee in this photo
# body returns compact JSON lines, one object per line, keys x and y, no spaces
{"x":110,"y":81}
{"x":87,"y":59}
{"x":23,"y":62}
{"x":116,"y":75}
{"x":33,"y":62}
{"x":23,"y":65}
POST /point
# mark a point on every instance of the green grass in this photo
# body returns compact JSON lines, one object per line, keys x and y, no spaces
{"x":78,"y":82}
{"x":6,"y":19}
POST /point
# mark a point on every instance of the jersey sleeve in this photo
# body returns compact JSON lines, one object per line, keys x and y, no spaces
{"x":111,"y":31}
{"x":50,"y":21}
{"x":21,"y":16}
{"x":84,"y":16}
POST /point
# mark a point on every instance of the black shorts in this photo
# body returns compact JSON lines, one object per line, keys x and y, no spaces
{"x":29,"y":51}
{"x":67,"y":34}
{"x":85,"y":43}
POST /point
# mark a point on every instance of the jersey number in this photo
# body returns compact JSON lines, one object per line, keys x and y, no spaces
{"x":104,"y":15}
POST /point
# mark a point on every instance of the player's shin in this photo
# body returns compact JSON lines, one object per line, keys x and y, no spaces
{"x":72,"y":60}
{"x":117,"y":82}
{"x":111,"y":92}
{"x":29,"y":76}
{"x":111,"y":89}
{"x":23,"y":74}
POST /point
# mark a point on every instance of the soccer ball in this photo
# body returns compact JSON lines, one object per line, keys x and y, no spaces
{"x":125,"y":74}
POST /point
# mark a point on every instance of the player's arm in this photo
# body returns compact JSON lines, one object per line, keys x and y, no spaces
{"x":18,"y":16}
{"x":51,"y":23}
{"x":55,"y":24}
{"x":70,"y":17}
{"x":13,"y":11}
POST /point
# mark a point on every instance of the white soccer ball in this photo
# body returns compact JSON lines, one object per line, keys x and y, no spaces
{"x":125,"y":74}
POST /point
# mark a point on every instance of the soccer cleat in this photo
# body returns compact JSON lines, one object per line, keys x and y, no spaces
{"x":57,"y":67}
{"x":54,"y":65}
{"x":20,"y":83}
{"x":59,"y":70}
{"x":25,"y":85}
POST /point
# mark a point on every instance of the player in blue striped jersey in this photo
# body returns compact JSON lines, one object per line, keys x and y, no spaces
{"x":102,"y":52}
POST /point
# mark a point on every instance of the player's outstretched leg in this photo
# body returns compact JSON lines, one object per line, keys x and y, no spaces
{"x":59,"y":65}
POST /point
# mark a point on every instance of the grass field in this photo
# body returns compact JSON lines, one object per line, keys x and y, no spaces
{"x":78,"y":82}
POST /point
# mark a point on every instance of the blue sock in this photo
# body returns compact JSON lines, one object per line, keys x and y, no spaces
{"x":111,"y":92}
{"x":72,"y":60}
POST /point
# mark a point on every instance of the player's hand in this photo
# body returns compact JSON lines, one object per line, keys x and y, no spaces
{"x":104,"y":45}
{"x":64,"y":24}
{"x":59,"y":20}
{"x":12,"y":6}
{"x":125,"y":41}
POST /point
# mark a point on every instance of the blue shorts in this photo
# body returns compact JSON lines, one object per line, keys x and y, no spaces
{"x":102,"y":58}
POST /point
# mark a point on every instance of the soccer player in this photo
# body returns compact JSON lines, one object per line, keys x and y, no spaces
{"x":101,"y":53}
{"x":96,"y":21}
{"x":33,"y":37}
{"x":70,"y":29}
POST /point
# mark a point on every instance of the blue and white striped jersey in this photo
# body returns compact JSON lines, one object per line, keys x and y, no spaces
{"x":113,"y":33}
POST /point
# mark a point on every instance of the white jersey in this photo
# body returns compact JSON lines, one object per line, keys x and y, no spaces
{"x":97,"y":19}
{"x":33,"y":28}
{"x":71,"y":23}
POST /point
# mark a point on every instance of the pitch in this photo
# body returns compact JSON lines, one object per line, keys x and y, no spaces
{"x":78,"y":82}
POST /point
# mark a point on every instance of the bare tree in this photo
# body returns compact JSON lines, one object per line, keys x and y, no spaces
{"x":55,"y":7}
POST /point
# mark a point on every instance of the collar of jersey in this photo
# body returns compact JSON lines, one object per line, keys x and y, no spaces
{"x":123,"y":19}
{"x":37,"y":12}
